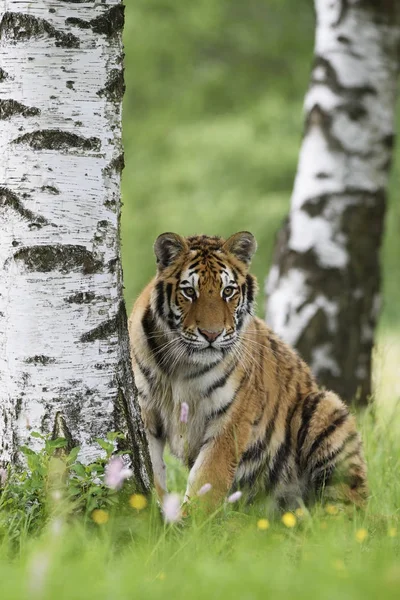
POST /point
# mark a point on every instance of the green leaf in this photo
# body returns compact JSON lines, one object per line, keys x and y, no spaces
{"x":107,"y":446}
{"x":72,"y":456}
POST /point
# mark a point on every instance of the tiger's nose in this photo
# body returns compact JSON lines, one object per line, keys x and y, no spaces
{"x":210,"y":336}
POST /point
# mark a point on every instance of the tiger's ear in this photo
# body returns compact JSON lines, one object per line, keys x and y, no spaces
{"x":242,"y":245}
{"x":167,"y":247}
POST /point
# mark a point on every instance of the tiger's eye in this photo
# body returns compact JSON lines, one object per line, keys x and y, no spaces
{"x":228,"y":291}
{"x":189,"y":292}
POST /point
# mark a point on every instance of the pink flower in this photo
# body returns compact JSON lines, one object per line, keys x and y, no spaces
{"x":171,"y":508}
{"x":204,"y":489}
{"x":116,"y":473}
{"x":234,"y":497}
{"x":3,"y":477}
{"x":184,"y":412}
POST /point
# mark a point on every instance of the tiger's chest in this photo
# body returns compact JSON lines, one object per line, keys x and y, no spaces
{"x":204,"y":397}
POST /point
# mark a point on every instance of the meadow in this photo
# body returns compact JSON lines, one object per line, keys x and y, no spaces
{"x":212,"y":128}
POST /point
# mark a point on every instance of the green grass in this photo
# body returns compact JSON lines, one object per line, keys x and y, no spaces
{"x":134,"y":555}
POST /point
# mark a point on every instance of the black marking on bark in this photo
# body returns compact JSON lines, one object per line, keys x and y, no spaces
{"x":115,"y":86}
{"x":9,"y":198}
{"x":55,"y":139}
{"x":318,"y":117}
{"x":81,"y":23}
{"x":60,"y":430}
{"x":116,"y":164}
{"x":40,"y":359}
{"x":80,"y":298}
{"x":109,"y":23}
{"x":65,"y":258}
{"x":3,"y":75}
{"x":332,"y":82}
{"x":51,"y":189}
{"x":9,"y":108}
{"x":22,"y":27}
{"x":104,"y":330}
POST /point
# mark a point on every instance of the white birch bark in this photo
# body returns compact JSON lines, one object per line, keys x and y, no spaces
{"x":323,"y":287}
{"x":64,"y":358}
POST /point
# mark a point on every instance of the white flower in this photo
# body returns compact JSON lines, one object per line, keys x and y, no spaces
{"x":234,"y":497}
{"x":116,"y":473}
{"x":171,"y":508}
{"x":204,"y":489}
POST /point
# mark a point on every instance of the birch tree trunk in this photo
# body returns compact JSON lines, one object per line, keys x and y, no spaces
{"x":64,"y":352}
{"x":324,"y":286}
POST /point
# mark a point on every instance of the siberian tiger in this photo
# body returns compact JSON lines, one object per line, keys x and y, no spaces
{"x":257,"y":420}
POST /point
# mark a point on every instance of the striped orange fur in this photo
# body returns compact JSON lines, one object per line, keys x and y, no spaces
{"x":257,"y":419}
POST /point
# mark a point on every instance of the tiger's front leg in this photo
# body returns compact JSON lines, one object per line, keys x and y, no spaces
{"x":216,"y":465}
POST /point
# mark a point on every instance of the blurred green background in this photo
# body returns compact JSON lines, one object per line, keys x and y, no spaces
{"x":212,"y":128}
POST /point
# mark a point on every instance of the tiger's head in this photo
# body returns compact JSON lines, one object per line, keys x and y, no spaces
{"x":203,"y":292}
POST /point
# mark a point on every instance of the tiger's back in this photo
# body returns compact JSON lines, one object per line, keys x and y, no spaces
{"x":257,"y":419}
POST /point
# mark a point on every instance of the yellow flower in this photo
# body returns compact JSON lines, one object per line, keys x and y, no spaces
{"x":299,"y":512}
{"x":392,"y":532}
{"x":331,"y":509}
{"x":361,"y":535}
{"x":262,"y":524}
{"x":161,"y":576}
{"x":100,"y":516}
{"x":289,"y":519}
{"x":138,"y":501}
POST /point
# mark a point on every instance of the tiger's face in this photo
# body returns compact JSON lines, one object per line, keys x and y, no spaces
{"x":204,"y":293}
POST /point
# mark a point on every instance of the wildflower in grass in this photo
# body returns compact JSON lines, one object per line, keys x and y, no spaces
{"x":184,"y":412}
{"x":361,"y":535}
{"x":138,"y":501}
{"x":161,"y":576}
{"x":116,"y":473}
{"x":171,"y":508}
{"x":3,"y":477}
{"x":289,"y":520}
{"x":204,"y":489}
{"x":331,"y":509}
{"x":234,"y":497}
{"x":262,"y":524}
{"x":299,"y":512}
{"x":100,"y":516}
{"x":392,"y":532}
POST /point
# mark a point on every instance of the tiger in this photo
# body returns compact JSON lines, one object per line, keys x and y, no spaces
{"x":255,"y":420}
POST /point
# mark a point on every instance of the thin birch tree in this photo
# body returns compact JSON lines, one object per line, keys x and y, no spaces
{"x":324,"y":286}
{"x":64,"y":350}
